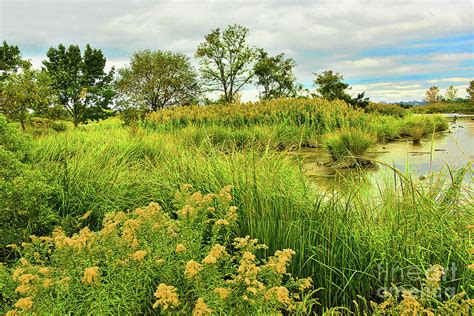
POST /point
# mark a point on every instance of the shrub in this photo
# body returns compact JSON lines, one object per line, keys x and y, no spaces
{"x":25,"y":194}
{"x":59,"y":126}
{"x":145,"y":260}
{"x":348,"y":145}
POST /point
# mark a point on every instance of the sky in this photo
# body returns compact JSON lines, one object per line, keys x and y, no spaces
{"x":393,"y":50}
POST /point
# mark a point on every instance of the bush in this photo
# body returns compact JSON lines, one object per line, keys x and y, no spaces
{"x":348,"y":145}
{"x":25,"y":194}
{"x":59,"y":126}
{"x":145,"y":260}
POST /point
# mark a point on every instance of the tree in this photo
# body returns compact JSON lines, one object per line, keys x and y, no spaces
{"x":275,"y":77}
{"x":330,"y":85}
{"x":226,"y":61}
{"x":83,"y":87}
{"x":451,"y":93}
{"x":432,"y":95}
{"x":10,"y":60}
{"x":24,"y":92}
{"x":159,"y":79}
{"x":470,"y":91}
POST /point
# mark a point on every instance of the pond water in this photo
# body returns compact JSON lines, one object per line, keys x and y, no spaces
{"x":453,"y":148}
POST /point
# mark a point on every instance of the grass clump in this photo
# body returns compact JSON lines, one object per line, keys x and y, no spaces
{"x":184,"y":260}
{"x":349,"y":145}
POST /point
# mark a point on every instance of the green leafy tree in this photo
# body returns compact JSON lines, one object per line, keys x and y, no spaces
{"x":275,"y":77}
{"x":226,"y":61}
{"x":157,"y":79}
{"x":451,"y":93}
{"x":10,"y":60}
{"x":432,"y":95}
{"x":470,"y":91}
{"x":25,"y":92}
{"x":330,"y":85}
{"x":83,"y":87}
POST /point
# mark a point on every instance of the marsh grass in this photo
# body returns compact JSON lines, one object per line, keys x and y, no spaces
{"x":344,"y":241}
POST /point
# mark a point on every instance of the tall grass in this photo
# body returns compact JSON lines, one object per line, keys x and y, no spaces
{"x":350,"y":244}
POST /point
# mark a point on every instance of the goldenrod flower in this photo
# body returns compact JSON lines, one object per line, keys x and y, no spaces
{"x":91,"y":275}
{"x":166,"y":296}
{"x":44,"y":270}
{"x":27,"y":278}
{"x":201,"y":308}
{"x":23,"y":289}
{"x":281,"y":294}
{"x":305,"y":283}
{"x":192,"y":268}
{"x":24,"y":303}
{"x":139,"y":255}
{"x":180,"y":248}
{"x":222,"y":292}
{"x":221,"y":222}
{"x":47,"y":283}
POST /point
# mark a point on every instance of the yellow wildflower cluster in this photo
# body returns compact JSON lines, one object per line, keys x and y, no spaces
{"x":167,"y":296}
{"x":280,"y":293}
{"x":91,"y":275}
{"x":24,"y":303}
{"x":222,"y":292}
{"x":192,"y":268}
{"x":180,"y":248}
{"x":187,"y":212}
{"x":217,"y":252}
{"x":280,"y":260}
{"x":78,"y":242}
{"x":201,"y":308}
{"x":433,"y":276}
{"x":139,"y":255}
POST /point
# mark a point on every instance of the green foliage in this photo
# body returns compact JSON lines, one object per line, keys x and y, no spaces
{"x":331,"y":86}
{"x":275,"y":77}
{"x":24,"y":92}
{"x":26,"y":196}
{"x":59,"y":126}
{"x":470,"y":91}
{"x":80,"y":82}
{"x":226,"y":61}
{"x":10,"y":60}
{"x":158,"y":79}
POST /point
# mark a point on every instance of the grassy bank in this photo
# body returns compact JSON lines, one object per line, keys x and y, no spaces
{"x":446,"y":107}
{"x":291,"y":123}
{"x":351,"y":245}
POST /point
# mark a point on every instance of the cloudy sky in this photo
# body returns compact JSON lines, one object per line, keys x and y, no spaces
{"x":392,"y":49}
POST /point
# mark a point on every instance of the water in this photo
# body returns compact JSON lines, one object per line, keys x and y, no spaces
{"x":453,"y":148}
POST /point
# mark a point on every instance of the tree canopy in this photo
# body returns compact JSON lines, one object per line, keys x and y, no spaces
{"x":275,"y":77}
{"x":226,"y":61}
{"x":24,"y":92}
{"x":157,"y":79}
{"x":432,"y":95}
{"x":83,"y":87}
{"x":331,"y":86}
{"x":11,"y":60}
